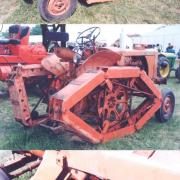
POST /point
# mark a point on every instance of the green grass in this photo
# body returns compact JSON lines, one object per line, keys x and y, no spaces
{"x":153,"y":135}
{"x":119,"y":11}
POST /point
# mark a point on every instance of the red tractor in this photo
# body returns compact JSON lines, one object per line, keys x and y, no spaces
{"x":16,"y":49}
{"x":58,"y":10}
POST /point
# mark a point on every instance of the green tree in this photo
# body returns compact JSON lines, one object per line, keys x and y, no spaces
{"x":5,"y":34}
{"x":36,"y":30}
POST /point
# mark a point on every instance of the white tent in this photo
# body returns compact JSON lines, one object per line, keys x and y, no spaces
{"x":34,"y":39}
{"x":162,"y":35}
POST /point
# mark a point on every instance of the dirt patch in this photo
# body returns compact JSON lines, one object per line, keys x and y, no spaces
{"x":7,"y":8}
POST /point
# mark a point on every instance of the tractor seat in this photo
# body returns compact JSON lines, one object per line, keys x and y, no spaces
{"x":24,"y":31}
{"x":20,"y":31}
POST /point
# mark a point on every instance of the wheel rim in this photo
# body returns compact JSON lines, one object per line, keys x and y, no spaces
{"x":164,"y":72}
{"x":112,"y":104}
{"x":167,"y":106}
{"x":58,"y":7}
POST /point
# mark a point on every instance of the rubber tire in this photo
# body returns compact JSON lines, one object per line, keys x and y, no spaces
{"x":160,"y":114}
{"x":177,"y":73}
{"x":162,"y":58}
{"x":3,"y":175}
{"x":47,"y":16}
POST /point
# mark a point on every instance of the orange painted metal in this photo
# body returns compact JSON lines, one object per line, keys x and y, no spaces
{"x":92,"y":98}
{"x":39,"y":153}
{"x":18,"y":95}
{"x":21,"y":53}
{"x":30,"y":153}
{"x":5,"y":70}
{"x":56,"y":7}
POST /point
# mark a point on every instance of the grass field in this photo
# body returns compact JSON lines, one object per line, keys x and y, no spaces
{"x":119,"y":11}
{"x":7,"y":8}
{"x":153,"y":135}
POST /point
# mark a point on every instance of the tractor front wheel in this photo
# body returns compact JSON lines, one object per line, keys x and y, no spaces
{"x":166,"y":110}
{"x":56,"y":10}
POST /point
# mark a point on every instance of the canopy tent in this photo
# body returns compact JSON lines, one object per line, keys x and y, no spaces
{"x":162,"y":35}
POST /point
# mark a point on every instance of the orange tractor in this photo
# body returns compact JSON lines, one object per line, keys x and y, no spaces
{"x":58,"y":10}
{"x":16,"y":49}
{"x":108,"y":94}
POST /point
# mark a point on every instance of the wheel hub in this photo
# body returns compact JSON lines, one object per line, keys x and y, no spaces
{"x":58,"y":7}
{"x":164,"y":71}
{"x":167,"y":106}
{"x":112,"y":104}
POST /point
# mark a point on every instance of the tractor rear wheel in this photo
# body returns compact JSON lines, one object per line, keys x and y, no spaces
{"x":56,"y":10}
{"x":166,"y":110}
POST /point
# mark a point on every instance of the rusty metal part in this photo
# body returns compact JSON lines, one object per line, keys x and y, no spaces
{"x":5,"y":72}
{"x":65,"y":54}
{"x":21,"y":164}
{"x":18,"y":95}
{"x":112,"y":103}
{"x":54,"y":65}
{"x":24,"y":169}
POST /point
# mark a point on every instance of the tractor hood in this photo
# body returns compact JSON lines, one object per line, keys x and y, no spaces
{"x":168,"y":55}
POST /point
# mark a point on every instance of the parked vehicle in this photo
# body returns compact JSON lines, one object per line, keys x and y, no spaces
{"x":58,"y":10}
{"x":166,"y":64}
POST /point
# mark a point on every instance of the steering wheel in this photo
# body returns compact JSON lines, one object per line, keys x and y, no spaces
{"x":88,"y":36}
